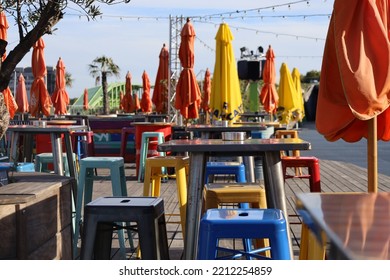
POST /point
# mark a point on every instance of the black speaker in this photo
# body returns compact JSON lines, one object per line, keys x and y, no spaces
{"x":250,"y":69}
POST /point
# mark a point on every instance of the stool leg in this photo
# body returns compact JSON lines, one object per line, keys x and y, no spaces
{"x":315,"y":180}
{"x":103,"y":241}
{"x":181,"y":183}
{"x":79,"y":203}
{"x":88,"y":238}
{"x":147,"y":180}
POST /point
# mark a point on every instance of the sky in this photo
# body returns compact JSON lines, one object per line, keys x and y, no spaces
{"x":133,"y":34}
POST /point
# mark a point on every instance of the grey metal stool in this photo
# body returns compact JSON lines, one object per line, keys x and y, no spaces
{"x":104,"y":213}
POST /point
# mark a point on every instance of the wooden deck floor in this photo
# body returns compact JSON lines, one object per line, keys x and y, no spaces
{"x":336,"y":176}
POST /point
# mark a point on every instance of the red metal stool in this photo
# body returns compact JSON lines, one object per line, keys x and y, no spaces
{"x":126,"y":131}
{"x":312,"y":163}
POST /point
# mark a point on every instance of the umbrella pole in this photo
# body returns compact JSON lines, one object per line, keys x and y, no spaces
{"x":372,"y":156}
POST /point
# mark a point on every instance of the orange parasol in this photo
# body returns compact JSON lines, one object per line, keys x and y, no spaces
{"x":8,"y":97}
{"x":85,"y":100}
{"x":146,"y":102}
{"x":136,"y":106}
{"x":128,"y":97}
{"x":60,"y":97}
{"x":355,"y":78}
{"x":269,"y":96}
{"x":206,"y":94}
{"x":39,"y":97}
{"x":160,"y":93}
{"x":21,"y":95}
{"x":188,"y":95}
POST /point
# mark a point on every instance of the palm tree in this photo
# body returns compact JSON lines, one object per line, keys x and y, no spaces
{"x":104,"y":67}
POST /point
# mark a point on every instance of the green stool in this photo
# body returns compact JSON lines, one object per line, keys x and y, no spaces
{"x":42,"y":160}
{"x":146,"y":136}
{"x":85,"y":188}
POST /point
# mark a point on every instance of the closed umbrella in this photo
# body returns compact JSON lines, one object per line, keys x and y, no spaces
{"x":188,"y":95}
{"x":269,"y":96}
{"x":225,"y":100}
{"x":296,"y":76}
{"x":146,"y":102}
{"x":39,"y":96}
{"x":160,"y":92}
{"x":21,"y":95}
{"x":206,"y":95}
{"x":290,"y":109}
{"x":60,"y":97}
{"x":9,"y":100}
{"x":121,"y":100}
{"x":85,"y":100}
{"x":128,"y":97}
{"x":355,"y":78}
{"x":136,"y":106}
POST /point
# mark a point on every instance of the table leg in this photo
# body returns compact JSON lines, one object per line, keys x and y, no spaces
{"x":69,"y":155}
{"x":57,"y":153}
{"x":249,"y":163}
{"x":274,"y":186}
{"x":194,"y":204}
{"x":13,"y":153}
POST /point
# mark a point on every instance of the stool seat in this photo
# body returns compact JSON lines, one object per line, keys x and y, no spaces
{"x":154,"y":172}
{"x":146,"y":138}
{"x":243,"y":223}
{"x":85,"y":188}
{"x":102,"y":214}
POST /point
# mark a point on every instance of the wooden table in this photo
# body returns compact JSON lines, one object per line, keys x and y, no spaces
{"x":55,"y":131}
{"x":357,"y":225}
{"x":201,"y":149}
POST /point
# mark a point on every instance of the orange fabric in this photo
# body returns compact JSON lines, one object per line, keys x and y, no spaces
{"x":188,"y":95}
{"x":121,"y":99}
{"x":355,"y":76}
{"x":128,"y":97}
{"x":136,"y":104}
{"x":39,"y":96}
{"x":21,"y":95}
{"x":268,"y":95}
{"x":60,"y":97}
{"x":9,"y":100}
{"x":146,"y":102}
{"x":206,"y":91}
{"x":160,"y":92}
{"x":85,"y":100}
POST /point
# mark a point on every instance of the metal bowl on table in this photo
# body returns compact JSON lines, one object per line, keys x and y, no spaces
{"x":233,"y":136}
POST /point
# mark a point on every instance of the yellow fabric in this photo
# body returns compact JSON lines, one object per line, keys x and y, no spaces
{"x":290,"y":101}
{"x":225,"y":100}
{"x":296,"y":76}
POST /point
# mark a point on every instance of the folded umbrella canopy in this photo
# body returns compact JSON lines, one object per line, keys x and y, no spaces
{"x":21,"y":95}
{"x":355,"y":78}
{"x":136,"y":106}
{"x":146,"y":102}
{"x":160,"y":92}
{"x":39,"y":96}
{"x":85,"y":100}
{"x":296,"y":77}
{"x":269,"y":96}
{"x":290,"y":101}
{"x":9,"y":100}
{"x":60,"y":97}
{"x":225,"y":100}
{"x":128,"y":97}
{"x":188,"y":95}
{"x":206,"y":94}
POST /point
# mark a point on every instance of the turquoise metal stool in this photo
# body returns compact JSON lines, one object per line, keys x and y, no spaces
{"x":85,"y":188}
{"x":146,"y":138}
{"x":43,"y":159}
{"x":243,"y":223}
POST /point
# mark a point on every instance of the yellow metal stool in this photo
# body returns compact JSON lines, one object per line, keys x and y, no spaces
{"x":154,"y":172}
{"x":295,"y":153}
{"x":216,"y":194}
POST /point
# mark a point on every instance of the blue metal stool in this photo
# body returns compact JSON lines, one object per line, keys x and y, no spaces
{"x":146,"y":136}
{"x":85,"y":188}
{"x":225,"y":167}
{"x":243,"y":223}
